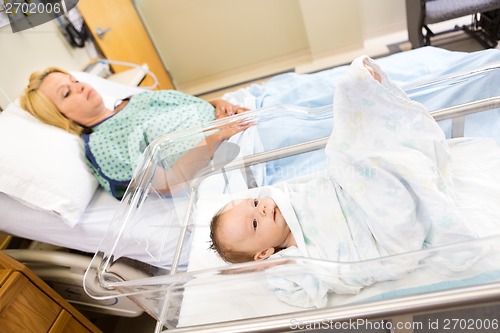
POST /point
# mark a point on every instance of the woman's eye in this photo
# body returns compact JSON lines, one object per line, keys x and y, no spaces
{"x":254,"y":223}
{"x":255,"y":202}
{"x":66,"y":95}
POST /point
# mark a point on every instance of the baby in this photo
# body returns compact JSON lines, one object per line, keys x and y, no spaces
{"x":254,"y":228}
{"x":250,"y":229}
{"x":387,"y":189}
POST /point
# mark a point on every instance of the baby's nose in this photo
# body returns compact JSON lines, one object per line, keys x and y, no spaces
{"x":263,"y":209}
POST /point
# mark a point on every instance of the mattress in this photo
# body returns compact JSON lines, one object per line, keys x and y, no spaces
{"x":34,"y":224}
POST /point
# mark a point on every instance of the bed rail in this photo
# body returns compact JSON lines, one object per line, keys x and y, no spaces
{"x":381,"y":310}
{"x":453,"y":112}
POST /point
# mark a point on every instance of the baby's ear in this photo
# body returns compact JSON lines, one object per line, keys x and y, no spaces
{"x":264,"y":254}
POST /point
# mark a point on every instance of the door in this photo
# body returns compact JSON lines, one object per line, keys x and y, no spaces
{"x":120,"y":35}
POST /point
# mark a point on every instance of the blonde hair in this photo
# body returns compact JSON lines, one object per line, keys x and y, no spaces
{"x":41,"y":106}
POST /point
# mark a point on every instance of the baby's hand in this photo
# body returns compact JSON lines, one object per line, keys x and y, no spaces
{"x":375,"y":75}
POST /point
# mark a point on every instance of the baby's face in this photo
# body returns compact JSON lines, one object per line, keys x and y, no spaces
{"x":253,"y":225}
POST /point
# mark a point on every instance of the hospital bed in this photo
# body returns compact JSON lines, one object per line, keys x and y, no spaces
{"x":79,"y":219}
{"x":192,"y":289}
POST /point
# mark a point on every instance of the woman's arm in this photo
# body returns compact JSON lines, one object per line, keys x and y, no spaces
{"x":188,"y":165}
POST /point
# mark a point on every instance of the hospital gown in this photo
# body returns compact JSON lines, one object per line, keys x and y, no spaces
{"x":387,"y":190}
{"x":116,"y":145}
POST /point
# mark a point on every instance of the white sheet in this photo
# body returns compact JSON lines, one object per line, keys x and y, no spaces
{"x":151,"y":241}
{"x":22,"y":221}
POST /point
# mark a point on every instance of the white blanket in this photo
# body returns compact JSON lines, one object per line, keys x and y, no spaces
{"x":477,"y":183}
{"x":388,"y":190}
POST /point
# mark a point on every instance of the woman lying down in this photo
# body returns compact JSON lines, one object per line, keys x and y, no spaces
{"x":388,"y":189}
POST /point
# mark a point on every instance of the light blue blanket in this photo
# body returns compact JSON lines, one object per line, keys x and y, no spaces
{"x":318,"y":89}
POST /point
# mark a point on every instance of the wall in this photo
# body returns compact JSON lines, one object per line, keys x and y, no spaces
{"x":216,"y":43}
{"x":201,"y":40}
{"x":381,"y":17}
{"x":32,"y":50}
{"x":332,"y":25}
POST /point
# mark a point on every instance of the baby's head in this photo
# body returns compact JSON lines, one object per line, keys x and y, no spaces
{"x":249,"y":229}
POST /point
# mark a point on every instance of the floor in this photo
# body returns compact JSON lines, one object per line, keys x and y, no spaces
{"x":428,"y":323}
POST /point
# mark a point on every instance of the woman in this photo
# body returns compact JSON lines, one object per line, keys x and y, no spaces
{"x":115,"y":139}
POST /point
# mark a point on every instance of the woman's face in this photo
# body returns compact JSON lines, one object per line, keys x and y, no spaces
{"x":76,"y":100}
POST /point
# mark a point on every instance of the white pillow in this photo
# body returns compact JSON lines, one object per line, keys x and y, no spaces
{"x":43,"y":166}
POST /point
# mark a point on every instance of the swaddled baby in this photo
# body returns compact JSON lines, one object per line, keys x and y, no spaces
{"x":387,"y":190}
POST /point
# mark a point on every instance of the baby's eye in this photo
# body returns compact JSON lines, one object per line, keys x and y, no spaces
{"x":255,"y":202}
{"x":254,"y":223}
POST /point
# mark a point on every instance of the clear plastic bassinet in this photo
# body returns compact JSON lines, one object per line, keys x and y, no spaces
{"x":185,"y":287}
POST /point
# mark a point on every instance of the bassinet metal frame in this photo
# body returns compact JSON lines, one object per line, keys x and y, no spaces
{"x":382,"y":309}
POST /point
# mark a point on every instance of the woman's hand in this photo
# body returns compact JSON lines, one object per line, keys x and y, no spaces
{"x":225,"y":109}
{"x":228,"y":130}
{"x":186,"y":167}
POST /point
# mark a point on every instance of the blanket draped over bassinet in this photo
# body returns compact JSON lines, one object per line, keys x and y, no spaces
{"x":387,"y":190}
